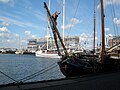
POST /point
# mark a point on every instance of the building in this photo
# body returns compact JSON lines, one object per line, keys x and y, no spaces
{"x":35,"y":44}
{"x":72,"y":41}
{"x":31,"y":45}
{"x":115,"y":40}
{"x":114,"y":45}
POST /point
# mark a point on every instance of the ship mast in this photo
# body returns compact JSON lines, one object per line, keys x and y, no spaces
{"x":94,"y":29}
{"x":103,"y":34}
{"x":63,"y":18}
{"x":48,"y":27}
{"x":55,"y":31}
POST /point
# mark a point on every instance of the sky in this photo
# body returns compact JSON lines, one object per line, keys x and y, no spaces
{"x":21,"y":20}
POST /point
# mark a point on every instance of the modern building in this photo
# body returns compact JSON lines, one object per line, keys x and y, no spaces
{"x":35,"y":44}
{"x":115,"y":40}
{"x":72,"y":41}
{"x":114,"y":45}
{"x":31,"y":45}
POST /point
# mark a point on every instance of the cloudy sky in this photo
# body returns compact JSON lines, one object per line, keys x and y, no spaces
{"x":25,"y":19}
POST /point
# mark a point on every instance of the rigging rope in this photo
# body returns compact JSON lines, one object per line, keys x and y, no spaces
{"x":9,"y":77}
{"x":38,"y":73}
{"x":115,"y":16}
{"x":31,"y":76}
{"x":100,"y":35}
{"x":18,"y":85}
{"x":73,"y":17}
{"x":113,"y":22}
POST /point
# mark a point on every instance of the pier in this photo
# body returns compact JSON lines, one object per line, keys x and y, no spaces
{"x":106,"y":81}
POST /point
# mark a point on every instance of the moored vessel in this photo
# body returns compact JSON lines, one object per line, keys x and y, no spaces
{"x":74,"y":64}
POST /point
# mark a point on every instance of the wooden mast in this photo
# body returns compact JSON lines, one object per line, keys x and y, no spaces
{"x":63,"y":19}
{"x":94,"y":29}
{"x":103,"y":34}
{"x":55,"y":31}
{"x":48,"y":28}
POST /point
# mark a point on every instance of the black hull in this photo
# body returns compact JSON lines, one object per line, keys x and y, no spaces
{"x":72,"y":68}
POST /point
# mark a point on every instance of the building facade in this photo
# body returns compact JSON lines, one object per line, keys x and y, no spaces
{"x":114,"y":41}
{"x":72,"y":41}
{"x":35,"y":44}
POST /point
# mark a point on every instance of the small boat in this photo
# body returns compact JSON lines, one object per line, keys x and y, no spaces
{"x":3,"y":51}
{"x":47,"y":54}
{"x":19,"y":52}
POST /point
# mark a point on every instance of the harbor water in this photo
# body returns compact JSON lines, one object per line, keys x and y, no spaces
{"x":20,"y":66}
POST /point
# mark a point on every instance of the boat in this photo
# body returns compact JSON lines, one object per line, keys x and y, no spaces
{"x":19,"y":52}
{"x":67,"y":59}
{"x":75,"y":64}
{"x":46,"y":54}
{"x":71,"y":65}
{"x":3,"y":51}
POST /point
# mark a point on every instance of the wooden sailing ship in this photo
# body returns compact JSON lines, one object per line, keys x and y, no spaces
{"x":76,"y":64}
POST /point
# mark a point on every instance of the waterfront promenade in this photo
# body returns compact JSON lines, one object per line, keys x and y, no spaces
{"x":107,"y":81}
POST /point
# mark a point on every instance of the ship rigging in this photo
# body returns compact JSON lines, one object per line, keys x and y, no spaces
{"x":78,"y":64}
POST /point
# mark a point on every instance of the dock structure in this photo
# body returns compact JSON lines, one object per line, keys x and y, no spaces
{"x":106,"y":81}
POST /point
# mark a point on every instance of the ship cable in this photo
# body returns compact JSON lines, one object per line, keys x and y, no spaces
{"x":113,"y":15}
{"x":38,"y":73}
{"x":74,"y":17}
{"x":114,"y":12}
{"x":114,"y":28}
{"x":16,"y":82}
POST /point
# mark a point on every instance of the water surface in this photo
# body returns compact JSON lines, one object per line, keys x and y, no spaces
{"x":20,"y":66}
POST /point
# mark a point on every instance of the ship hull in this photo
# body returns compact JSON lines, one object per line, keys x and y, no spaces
{"x":47,"y":55}
{"x":71,"y":68}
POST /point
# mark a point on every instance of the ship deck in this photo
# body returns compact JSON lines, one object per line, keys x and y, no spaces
{"x":106,"y":81}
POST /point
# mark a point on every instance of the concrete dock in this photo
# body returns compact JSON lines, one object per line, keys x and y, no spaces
{"x":106,"y":81}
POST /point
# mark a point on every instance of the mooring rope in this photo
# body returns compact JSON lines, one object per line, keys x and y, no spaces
{"x":38,"y":73}
{"x":12,"y":79}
